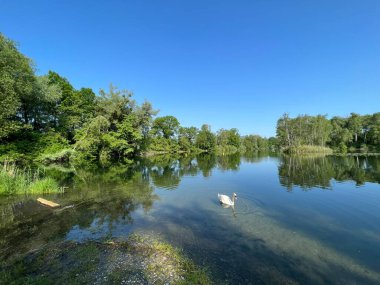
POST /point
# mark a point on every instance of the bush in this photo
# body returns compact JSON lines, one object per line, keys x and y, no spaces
{"x":31,"y":146}
{"x":63,"y":155}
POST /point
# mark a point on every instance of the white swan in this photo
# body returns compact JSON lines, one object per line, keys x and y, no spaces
{"x":224,"y":199}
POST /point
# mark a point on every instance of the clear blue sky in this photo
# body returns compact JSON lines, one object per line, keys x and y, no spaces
{"x":226,"y":63}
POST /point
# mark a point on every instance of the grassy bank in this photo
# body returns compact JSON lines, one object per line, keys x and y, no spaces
{"x":14,"y":180}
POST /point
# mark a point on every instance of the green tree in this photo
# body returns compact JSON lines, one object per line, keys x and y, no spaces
{"x":253,"y":143}
{"x":144,"y":115}
{"x":374,"y":130}
{"x":283,"y":131}
{"x":90,"y":140}
{"x":323,"y":128}
{"x":355,"y":125}
{"x":72,"y":109}
{"x":118,"y":130}
{"x":340,"y":135}
{"x":187,"y":137}
{"x":166,"y":127}
{"x":234,"y":138}
{"x":206,"y":140}
{"x":17,"y":85}
{"x":43,"y":113}
{"x":115,"y":104}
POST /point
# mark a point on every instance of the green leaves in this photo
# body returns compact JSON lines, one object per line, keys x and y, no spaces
{"x":16,"y":84}
{"x":354,"y":133}
{"x":206,"y":140}
{"x":166,"y":127}
{"x":303,"y":130}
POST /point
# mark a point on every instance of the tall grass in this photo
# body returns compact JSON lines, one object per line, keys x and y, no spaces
{"x":309,"y":149}
{"x":14,"y":180}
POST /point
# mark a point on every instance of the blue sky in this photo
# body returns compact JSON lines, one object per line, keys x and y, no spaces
{"x":225,"y":63}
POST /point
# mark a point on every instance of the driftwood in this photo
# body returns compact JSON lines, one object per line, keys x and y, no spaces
{"x":48,"y":203}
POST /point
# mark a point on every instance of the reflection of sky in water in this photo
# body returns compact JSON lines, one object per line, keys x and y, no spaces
{"x":309,"y":235}
{"x":320,"y":234}
{"x":272,"y":235}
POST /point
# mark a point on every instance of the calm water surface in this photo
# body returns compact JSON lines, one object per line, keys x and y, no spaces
{"x":296,"y":220}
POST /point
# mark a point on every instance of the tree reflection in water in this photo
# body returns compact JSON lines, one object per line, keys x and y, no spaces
{"x":309,"y":172}
{"x":110,"y":196}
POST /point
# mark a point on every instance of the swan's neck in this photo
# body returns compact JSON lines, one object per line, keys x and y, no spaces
{"x":233,"y":199}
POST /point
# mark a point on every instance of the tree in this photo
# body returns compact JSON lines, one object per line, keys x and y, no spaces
{"x":187,"y":137}
{"x":340,"y":135}
{"x":283,"y":131}
{"x":354,"y":125}
{"x":115,"y":104}
{"x":374,"y":130}
{"x":206,"y":139}
{"x":118,"y":129}
{"x":72,"y":109}
{"x":17,"y":83}
{"x":303,"y":130}
{"x":228,"y":141}
{"x":322,"y":128}
{"x":166,"y":127}
{"x":255,"y":143}
{"x":144,"y":115}
{"x":44,"y":115}
{"x":234,"y":137}
{"x":90,"y":139}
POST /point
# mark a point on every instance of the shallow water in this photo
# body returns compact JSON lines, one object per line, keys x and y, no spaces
{"x":296,"y":221}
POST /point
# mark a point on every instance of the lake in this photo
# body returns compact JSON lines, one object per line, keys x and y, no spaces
{"x":297,"y":220}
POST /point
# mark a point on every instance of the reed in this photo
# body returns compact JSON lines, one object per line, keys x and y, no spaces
{"x":308,"y":149}
{"x":15,"y":180}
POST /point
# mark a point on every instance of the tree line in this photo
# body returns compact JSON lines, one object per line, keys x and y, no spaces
{"x":44,"y":117}
{"x":342,"y":134}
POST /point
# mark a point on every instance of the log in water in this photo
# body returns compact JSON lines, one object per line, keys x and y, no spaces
{"x":48,"y":203}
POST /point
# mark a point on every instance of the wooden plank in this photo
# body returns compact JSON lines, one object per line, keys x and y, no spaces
{"x":48,"y":203}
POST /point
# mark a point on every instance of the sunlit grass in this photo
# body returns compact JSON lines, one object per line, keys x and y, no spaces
{"x":15,"y":180}
{"x":307,"y":149}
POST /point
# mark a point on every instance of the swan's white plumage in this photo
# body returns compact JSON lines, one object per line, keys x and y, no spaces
{"x":224,"y":199}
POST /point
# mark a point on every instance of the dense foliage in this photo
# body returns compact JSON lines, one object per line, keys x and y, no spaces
{"x":353,"y":133}
{"x":45,"y":118}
